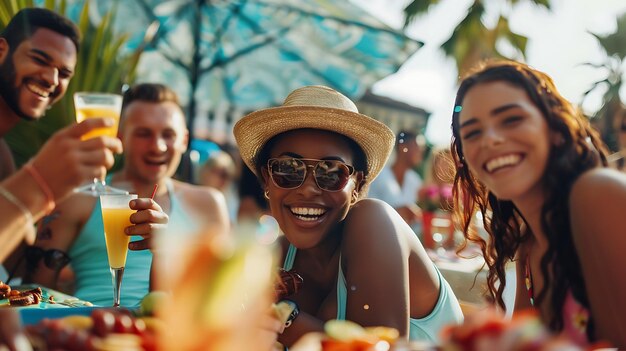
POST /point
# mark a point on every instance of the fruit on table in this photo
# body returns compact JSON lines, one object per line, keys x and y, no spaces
{"x":105,"y":329}
{"x":152,"y":301}
{"x":78,"y":322}
{"x":343,"y":335}
{"x":282,"y":310}
{"x":152,"y":324}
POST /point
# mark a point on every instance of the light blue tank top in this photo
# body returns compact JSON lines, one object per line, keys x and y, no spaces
{"x":447,"y":311}
{"x":91,"y":265}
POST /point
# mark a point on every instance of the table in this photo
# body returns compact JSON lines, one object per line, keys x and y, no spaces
{"x":468,"y":277}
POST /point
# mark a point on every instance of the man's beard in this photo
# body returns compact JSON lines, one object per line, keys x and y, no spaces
{"x":9,"y":90}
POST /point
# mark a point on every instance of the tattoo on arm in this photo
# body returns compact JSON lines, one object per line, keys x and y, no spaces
{"x":44,"y":232}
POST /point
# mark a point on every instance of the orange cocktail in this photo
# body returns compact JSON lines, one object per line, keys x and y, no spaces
{"x":116,"y":214}
{"x":115,"y":220}
{"x":98,"y":105}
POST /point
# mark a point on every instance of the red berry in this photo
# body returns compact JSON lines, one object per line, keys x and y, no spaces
{"x":103,"y":322}
{"x":139,"y":327}
{"x":123,"y":324}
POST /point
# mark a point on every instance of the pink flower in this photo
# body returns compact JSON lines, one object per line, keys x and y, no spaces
{"x":435,"y":197}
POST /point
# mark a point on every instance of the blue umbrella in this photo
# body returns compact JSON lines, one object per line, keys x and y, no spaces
{"x":249,"y":54}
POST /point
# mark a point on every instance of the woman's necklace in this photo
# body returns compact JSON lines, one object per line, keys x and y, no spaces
{"x":529,"y":281}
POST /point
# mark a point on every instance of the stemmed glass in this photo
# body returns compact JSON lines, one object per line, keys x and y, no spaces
{"x":441,"y":232}
{"x":98,"y":105}
{"x":116,"y":216}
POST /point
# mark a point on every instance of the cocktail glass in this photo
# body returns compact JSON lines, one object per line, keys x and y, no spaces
{"x":98,"y":105}
{"x":441,"y":233}
{"x":116,"y":216}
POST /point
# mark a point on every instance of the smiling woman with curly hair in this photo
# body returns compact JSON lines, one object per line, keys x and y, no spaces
{"x":532,"y":164}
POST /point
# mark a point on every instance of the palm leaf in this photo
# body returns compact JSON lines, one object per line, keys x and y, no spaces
{"x":471,"y":41}
{"x":416,"y":8}
{"x":614,"y":44}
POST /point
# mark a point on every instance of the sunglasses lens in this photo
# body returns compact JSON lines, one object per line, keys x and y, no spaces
{"x":332,"y":175}
{"x":33,"y":254}
{"x":56,"y":259}
{"x":287,"y":173}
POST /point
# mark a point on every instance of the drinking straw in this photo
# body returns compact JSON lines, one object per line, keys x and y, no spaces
{"x":156,"y":186}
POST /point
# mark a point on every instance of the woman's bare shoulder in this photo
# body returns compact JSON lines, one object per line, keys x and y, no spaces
{"x":599,"y":185}
{"x":371,"y":212}
{"x":597,"y":201}
{"x":373,"y":223}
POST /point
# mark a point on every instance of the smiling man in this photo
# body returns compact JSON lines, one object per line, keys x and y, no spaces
{"x":38,"y":53}
{"x":154,"y":134}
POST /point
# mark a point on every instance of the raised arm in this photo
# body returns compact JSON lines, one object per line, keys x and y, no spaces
{"x":62,"y":164}
{"x":597,"y":205}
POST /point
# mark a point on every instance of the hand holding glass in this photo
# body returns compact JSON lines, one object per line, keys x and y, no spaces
{"x":98,"y":105}
{"x":116,"y":216}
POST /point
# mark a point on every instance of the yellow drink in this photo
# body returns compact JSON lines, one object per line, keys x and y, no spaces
{"x":86,"y":112}
{"x":115,"y":220}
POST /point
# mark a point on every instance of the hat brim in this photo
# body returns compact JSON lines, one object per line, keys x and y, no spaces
{"x":254,"y":130}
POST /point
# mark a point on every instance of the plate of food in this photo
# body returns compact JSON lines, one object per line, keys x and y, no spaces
{"x":32,"y":296}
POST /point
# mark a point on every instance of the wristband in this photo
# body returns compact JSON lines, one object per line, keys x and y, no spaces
{"x":294,"y":312}
{"x":17,"y":203}
{"x":45,"y":188}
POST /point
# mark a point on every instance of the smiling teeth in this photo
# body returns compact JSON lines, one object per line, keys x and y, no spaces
{"x":308,"y":211}
{"x":496,"y":163}
{"x":35,"y":89}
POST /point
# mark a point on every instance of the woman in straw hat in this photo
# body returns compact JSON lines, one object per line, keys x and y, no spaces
{"x":530,"y":162}
{"x":315,"y":156}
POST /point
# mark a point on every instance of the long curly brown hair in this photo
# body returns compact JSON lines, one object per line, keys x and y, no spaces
{"x":579,"y":150}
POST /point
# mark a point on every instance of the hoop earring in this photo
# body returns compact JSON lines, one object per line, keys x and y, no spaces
{"x":354,"y":199}
{"x":266,"y":194}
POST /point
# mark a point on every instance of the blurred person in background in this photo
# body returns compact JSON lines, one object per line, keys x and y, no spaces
{"x":398,"y":184}
{"x":531,"y":163}
{"x":252,"y":203}
{"x":219,"y":171}
{"x":154,"y":134}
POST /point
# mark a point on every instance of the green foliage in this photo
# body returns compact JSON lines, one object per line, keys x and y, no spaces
{"x":471,"y":40}
{"x":99,"y":68}
{"x":614,"y":45}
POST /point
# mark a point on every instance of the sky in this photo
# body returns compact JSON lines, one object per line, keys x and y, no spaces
{"x":559,"y":42}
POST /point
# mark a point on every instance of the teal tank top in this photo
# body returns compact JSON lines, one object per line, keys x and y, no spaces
{"x":447,"y":311}
{"x":91,"y":265}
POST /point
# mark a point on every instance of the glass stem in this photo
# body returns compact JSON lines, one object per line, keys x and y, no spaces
{"x":116,"y":274}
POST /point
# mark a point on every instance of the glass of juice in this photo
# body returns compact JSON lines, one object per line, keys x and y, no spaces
{"x":116,"y":216}
{"x":98,"y":105}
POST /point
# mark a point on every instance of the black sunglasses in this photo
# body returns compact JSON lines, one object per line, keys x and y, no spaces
{"x":290,"y":173}
{"x":52,"y":258}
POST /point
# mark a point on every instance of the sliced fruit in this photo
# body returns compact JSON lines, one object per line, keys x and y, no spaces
{"x":282,"y":310}
{"x":78,"y":322}
{"x":152,"y":301}
{"x":384,"y":333}
{"x":153,"y":324}
{"x":345,"y":330}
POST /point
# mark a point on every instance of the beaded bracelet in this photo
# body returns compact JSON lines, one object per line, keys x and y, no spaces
{"x":45,"y":188}
{"x":15,"y":201}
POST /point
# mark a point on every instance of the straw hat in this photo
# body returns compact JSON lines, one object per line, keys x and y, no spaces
{"x":316,"y":107}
